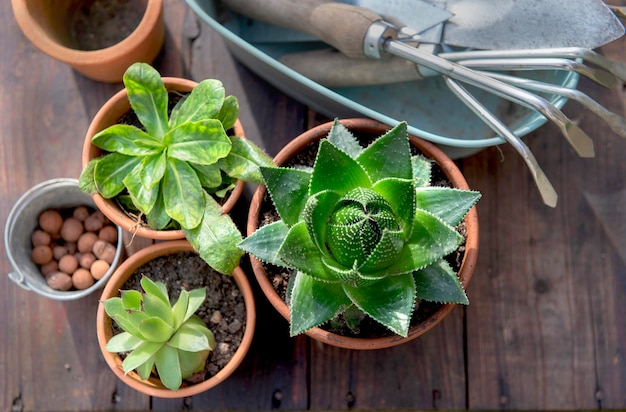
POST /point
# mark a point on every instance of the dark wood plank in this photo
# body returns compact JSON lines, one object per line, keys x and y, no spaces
{"x":545,"y":326}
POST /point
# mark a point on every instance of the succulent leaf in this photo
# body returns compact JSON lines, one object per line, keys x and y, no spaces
{"x":317,"y":302}
{"x":298,"y":251}
{"x":288,"y":189}
{"x":189,"y":339}
{"x":344,"y":140}
{"x":168,"y":367}
{"x":421,"y":170}
{"x":336,"y":170}
{"x":439,"y":283}
{"x":390,"y":301}
{"x":196,"y":298}
{"x":389,"y":155}
{"x":131,"y":299}
{"x":153,"y":288}
{"x":450,"y":205}
{"x":145,"y":369}
{"x":140,"y":355}
{"x":265,"y":242}
{"x":400,"y":195}
{"x":123,"y":342}
{"x":155,"y":329}
{"x":155,"y":307}
{"x":317,"y":212}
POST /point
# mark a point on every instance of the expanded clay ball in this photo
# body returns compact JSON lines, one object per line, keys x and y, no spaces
{"x":86,"y":241}
{"x":41,"y":254}
{"x":109,"y":234}
{"x":51,"y":221}
{"x":59,"y":251}
{"x":104,"y":251}
{"x":59,"y":281}
{"x":94,"y":223}
{"x":40,"y":237}
{"x":71,"y":229}
{"x":82,"y":279}
{"x":99,"y":268}
{"x":81,"y":213}
{"x":68,"y":264}
{"x":86,"y":260}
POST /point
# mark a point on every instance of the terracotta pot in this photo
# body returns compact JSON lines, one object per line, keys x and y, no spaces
{"x":46,"y":23}
{"x":471,"y":221}
{"x":153,"y":386}
{"x":109,"y":114}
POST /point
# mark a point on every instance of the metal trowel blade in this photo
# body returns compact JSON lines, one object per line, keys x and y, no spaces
{"x":530,"y":24}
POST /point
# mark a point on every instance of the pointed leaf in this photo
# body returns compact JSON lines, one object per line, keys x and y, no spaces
{"x":145,"y":369}
{"x":204,"y":102}
{"x":157,"y":289}
{"x":123,"y":342}
{"x":196,"y":299}
{"x":288,"y":189}
{"x":266,"y":241}
{"x":400,"y":194}
{"x":191,"y":362}
{"x":389,"y":301}
{"x":325,"y":177}
{"x":189,"y":339}
{"x":148,"y":98}
{"x":179,"y":309}
{"x":389,"y":155}
{"x":299,"y":251}
{"x":155,"y":329}
{"x":110,"y":172}
{"x":314,"y":302}
{"x":198,"y":142}
{"x":216,"y":237}
{"x":182,"y":194}
{"x":131,"y":299}
{"x":168,"y":367}
{"x":115,"y":309}
{"x":244,"y":160}
{"x":439,"y":283}
{"x":317,"y":212}
{"x":128,"y":140}
{"x":450,"y":205}
{"x":140,"y":355}
{"x":344,"y":140}
{"x":421,"y":170}
{"x":155,"y":307}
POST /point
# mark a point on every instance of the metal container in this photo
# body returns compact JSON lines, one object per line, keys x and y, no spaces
{"x":23,"y":219}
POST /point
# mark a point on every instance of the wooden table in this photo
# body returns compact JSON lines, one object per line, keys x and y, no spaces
{"x":546,"y":327}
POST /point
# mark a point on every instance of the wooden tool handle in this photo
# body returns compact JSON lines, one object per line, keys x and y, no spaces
{"x":341,"y":25}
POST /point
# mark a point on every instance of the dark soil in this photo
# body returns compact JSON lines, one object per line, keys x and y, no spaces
{"x":368,"y":328}
{"x":223,"y":311}
{"x":98,"y":24}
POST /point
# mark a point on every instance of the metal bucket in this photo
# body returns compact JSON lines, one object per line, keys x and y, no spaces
{"x":23,"y":219}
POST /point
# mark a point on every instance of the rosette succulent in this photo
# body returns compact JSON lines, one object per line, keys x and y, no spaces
{"x":364,"y":232}
{"x":172,"y":169}
{"x":159,"y":334}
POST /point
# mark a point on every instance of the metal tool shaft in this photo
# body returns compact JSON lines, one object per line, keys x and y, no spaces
{"x":548,"y":194}
{"x":578,"y":139}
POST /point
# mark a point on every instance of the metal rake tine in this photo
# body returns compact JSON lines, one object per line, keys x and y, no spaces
{"x":616,"y":122}
{"x":602,"y":77}
{"x":616,"y":68}
{"x":548,"y":194}
{"x":578,"y":139}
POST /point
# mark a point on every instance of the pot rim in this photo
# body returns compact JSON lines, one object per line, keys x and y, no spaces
{"x":153,"y":387}
{"x":468,"y":264}
{"x":110,"y":112}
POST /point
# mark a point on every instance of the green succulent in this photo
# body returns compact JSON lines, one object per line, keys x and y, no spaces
{"x":172,"y":169}
{"x":159,"y":334}
{"x":364,"y":231}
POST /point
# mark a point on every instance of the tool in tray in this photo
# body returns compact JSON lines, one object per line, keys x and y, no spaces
{"x":441,"y":38}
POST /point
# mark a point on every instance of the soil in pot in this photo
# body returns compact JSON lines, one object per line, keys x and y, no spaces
{"x":98,"y":24}
{"x":368,"y":328}
{"x":223,"y":311}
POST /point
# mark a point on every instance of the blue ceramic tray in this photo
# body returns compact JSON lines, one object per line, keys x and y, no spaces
{"x":428,"y":106}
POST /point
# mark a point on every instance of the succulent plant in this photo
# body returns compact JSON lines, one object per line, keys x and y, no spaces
{"x":364,"y":232}
{"x":159,"y":334}
{"x":171,"y":169}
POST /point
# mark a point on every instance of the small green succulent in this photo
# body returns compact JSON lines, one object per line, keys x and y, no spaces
{"x":157,"y":333}
{"x":364,"y":231}
{"x":171,"y":169}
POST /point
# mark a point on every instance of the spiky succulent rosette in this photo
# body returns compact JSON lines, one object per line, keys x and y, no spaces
{"x":363,"y":229}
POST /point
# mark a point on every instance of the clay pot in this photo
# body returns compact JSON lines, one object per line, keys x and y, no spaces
{"x":46,"y":23}
{"x":109,"y":114}
{"x":153,"y":386}
{"x":471,"y":221}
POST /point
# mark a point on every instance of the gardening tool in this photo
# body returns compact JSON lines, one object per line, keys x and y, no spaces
{"x":357,"y":32}
{"x":548,"y":194}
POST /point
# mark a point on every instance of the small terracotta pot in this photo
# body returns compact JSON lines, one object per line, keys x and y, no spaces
{"x":153,"y":386}
{"x":429,"y":150}
{"x":109,"y":114}
{"x":46,"y":24}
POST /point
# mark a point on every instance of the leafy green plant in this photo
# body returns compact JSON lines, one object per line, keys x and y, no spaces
{"x":364,"y":232}
{"x":171,"y":169}
{"x":159,"y":334}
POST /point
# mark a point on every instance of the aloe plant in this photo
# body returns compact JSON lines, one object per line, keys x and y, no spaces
{"x":172,"y":169}
{"x":364,"y":232}
{"x":159,"y":334}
